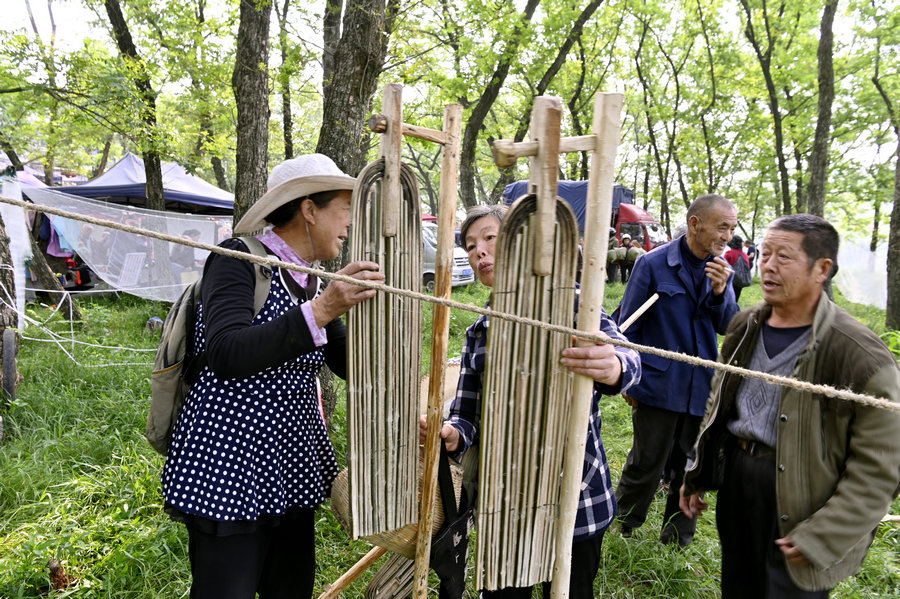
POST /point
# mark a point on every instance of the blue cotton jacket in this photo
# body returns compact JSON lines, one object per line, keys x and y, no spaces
{"x":684,"y":320}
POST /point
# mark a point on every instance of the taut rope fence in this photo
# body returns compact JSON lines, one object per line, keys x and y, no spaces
{"x":825,"y":390}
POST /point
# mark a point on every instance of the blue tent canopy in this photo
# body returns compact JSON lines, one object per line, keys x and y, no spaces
{"x":575,"y":193}
{"x":126,"y":183}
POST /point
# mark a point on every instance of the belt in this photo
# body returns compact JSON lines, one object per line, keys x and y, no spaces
{"x":757,"y":449}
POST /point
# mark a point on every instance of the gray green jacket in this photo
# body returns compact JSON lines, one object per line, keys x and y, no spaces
{"x":838,"y":461}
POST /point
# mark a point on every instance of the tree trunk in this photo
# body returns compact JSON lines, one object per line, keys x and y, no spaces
{"x":219,"y":170}
{"x":575,"y":31}
{"x":892,"y":311}
{"x":353,"y":60}
{"x":8,"y":321}
{"x":287,"y":123}
{"x":152,"y":162}
{"x":479,"y":113}
{"x":7,"y":147}
{"x":50,"y":283}
{"x":876,"y":224}
{"x":251,"y":94}
{"x":104,"y":158}
{"x":765,"y":63}
{"x":818,"y":161}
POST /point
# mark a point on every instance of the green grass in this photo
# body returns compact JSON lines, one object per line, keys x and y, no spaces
{"x":79,"y":483}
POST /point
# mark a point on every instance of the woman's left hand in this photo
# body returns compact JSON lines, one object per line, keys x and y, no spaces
{"x":338,"y":297}
{"x":598,"y":361}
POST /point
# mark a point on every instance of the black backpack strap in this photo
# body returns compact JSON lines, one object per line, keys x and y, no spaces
{"x":262,"y":286}
{"x":263,"y":273}
{"x":445,"y":484}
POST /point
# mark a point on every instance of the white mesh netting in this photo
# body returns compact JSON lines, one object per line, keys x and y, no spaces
{"x":128,"y":262}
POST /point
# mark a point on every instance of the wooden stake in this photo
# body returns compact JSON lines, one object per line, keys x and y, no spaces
{"x":391,"y":141}
{"x":606,"y":126}
{"x":545,"y":126}
{"x":334,"y":589}
{"x":639,"y":312}
{"x":440,"y":333}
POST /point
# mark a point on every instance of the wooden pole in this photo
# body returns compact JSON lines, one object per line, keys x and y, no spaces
{"x":639,"y":312}
{"x":334,"y":589}
{"x":391,"y":141}
{"x":545,"y":124}
{"x":440,"y":333}
{"x":606,"y":126}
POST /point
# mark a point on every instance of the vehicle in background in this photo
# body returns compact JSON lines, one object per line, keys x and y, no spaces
{"x":626,"y":217}
{"x":462,"y":272}
{"x":639,"y":224}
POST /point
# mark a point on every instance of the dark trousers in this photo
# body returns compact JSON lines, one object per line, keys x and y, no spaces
{"x":753,"y":566}
{"x":276,"y":561}
{"x":662,"y":440}
{"x":585,"y":563}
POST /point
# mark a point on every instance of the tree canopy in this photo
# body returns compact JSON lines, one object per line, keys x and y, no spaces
{"x":721,"y":95}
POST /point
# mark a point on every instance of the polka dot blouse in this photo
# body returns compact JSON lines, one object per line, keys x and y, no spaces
{"x":251,"y":446}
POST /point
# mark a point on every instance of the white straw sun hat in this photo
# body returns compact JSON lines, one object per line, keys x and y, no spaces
{"x":292,"y":179}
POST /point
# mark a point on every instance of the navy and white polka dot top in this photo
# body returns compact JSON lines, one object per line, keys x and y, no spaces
{"x":247,"y":447}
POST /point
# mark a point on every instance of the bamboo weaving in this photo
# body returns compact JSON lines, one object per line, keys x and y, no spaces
{"x":384,"y":352}
{"x":525,"y":403}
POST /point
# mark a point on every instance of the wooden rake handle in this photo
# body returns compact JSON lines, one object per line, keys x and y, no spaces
{"x":334,"y":589}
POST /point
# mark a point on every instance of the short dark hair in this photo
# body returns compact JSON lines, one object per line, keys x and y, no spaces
{"x":285,"y":213}
{"x":735,"y":242}
{"x":703,"y":204}
{"x":820,"y":238}
{"x":498,"y":211}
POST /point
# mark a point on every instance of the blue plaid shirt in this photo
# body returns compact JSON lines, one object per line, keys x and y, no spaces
{"x":597,"y":504}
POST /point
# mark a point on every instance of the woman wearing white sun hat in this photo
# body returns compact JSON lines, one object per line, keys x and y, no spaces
{"x":250,"y":460}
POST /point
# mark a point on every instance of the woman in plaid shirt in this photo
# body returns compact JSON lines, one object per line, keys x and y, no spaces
{"x":613,"y":369}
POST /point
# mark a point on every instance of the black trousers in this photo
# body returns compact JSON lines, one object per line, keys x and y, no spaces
{"x":585,"y":563}
{"x":662,"y":440}
{"x":278,"y":562}
{"x":753,"y":566}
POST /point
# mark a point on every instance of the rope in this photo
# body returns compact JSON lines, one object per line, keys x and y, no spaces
{"x":58,"y":339}
{"x":825,"y":390}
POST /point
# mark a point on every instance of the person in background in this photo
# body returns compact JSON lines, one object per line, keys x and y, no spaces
{"x":634,"y":252}
{"x":734,"y":254}
{"x":695,"y":303}
{"x":805,"y":478}
{"x":614,"y":370}
{"x":750,"y":249}
{"x":250,"y":459}
{"x":614,"y":256}
{"x":182,"y":256}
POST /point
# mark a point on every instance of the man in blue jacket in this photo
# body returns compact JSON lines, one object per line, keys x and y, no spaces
{"x":696,"y":301}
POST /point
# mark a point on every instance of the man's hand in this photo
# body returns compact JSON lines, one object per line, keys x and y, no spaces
{"x":718,"y":271}
{"x":692,"y":505}
{"x":598,"y":361}
{"x":791,"y":552}
{"x":448,"y":433}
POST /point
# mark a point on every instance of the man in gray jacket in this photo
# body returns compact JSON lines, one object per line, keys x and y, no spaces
{"x":803,"y":479}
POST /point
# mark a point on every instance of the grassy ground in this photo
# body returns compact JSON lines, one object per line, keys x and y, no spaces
{"x":79,"y":483}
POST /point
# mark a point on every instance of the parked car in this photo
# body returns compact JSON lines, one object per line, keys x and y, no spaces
{"x":462,"y":272}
